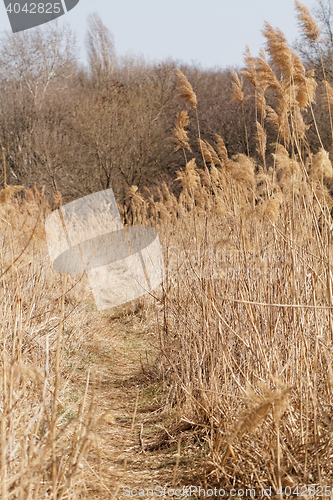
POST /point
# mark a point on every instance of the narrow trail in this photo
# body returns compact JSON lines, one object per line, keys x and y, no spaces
{"x":126,"y":402}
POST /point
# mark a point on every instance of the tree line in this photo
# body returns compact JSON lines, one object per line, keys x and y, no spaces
{"x":78,"y":129}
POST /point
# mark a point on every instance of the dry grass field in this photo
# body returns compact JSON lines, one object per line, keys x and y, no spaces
{"x":224,"y":376}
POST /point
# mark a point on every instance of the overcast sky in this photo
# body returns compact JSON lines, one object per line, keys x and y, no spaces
{"x":210,"y":33}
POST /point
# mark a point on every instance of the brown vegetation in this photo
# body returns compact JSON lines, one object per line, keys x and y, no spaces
{"x":243,"y":322}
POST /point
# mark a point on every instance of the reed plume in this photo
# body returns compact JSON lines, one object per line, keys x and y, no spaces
{"x":132,"y":194}
{"x":237,"y":88}
{"x":306,"y":91}
{"x":297,"y":68}
{"x":272,"y":210}
{"x":310,"y":30}
{"x":321,"y":166}
{"x":221,"y":149}
{"x":57,"y":199}
{"x":185,"y":90}
{"x":262,"y":140}
{"x":205,"y":151}
{"x":279,"y":119}
{"x":189,"y":178}
{"x":214,"y":174}
{"x":250,"y":71}
{"x":265,"y":75}
{"x":241,"y":167}
{"x":282,"y":159}
{"x":278,"y":50}
{"x":215,"y":159}
{"x":9,"y":192}
{"x":166,"y":192}
{"x":261,"y":103}
{"x":299,"y":124}
{"x":180,"y":135}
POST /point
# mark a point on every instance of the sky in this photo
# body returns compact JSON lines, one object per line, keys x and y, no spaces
{"x":211,"y":34}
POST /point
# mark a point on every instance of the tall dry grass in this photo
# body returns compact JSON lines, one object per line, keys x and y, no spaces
{"x":246,"y":337}
{"x":45,"y":419}
{"x":246,"y":332}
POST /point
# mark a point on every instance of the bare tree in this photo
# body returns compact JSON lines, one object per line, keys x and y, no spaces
{"x":100,"y":51}
{"x":34,"y":64}
{"x":35,"y":58}
{"x":123,"y":129}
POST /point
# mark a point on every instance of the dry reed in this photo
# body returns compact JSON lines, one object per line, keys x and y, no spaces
{"x":247,"y":334}
{"x":44,"y":434}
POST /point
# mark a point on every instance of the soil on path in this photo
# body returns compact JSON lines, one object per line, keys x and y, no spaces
{"x":127,"y":400}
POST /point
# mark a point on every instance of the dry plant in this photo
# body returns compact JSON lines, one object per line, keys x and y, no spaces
{"x":45,"y":430}
{"x":246,"y":331}
{"x":246,"y":336}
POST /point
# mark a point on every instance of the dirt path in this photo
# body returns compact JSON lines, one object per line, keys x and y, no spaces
{"x":119,"y":457}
